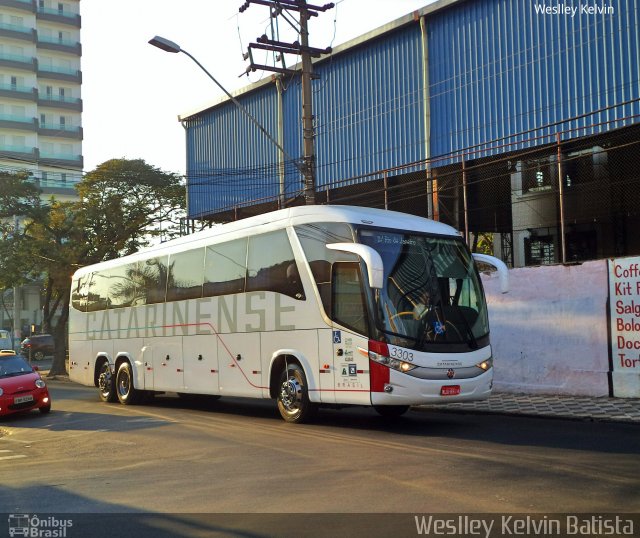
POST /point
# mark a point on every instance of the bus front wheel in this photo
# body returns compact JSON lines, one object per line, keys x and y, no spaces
{"x":127,"y":393}
{"x":293,"y":396}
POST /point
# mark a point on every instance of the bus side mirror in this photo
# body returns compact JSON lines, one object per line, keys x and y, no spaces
{"x":503,"y":270}
{"x":371,"y":258}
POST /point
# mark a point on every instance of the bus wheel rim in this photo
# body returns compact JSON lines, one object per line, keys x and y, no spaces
{"x":104,"y":381}
{"x":123,"y":385}
{"x":291,"y":394}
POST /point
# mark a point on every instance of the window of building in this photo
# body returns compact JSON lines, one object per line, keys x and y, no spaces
{"x":537,"y":175}
{"x":540,"y":250}
{"x":18,"y":111}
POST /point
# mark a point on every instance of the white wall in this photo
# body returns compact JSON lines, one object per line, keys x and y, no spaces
{"x":549,"y":333}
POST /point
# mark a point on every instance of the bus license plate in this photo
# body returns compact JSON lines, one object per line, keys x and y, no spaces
{"x":450,"y":390}
{"x":23,"y":399}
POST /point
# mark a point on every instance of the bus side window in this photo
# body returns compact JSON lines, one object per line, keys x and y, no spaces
{"x":98,"y":293}
{"x":185,"y":275}
{"x":225,"y":268}
{"x":348,"y":305}
{"x":79,"y":293}
{"x":153,"y":275}
{"x":122,"y":286}
{"x":271,"y":265}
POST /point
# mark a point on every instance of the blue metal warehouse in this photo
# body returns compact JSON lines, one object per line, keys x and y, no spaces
{"x":508,"y":117}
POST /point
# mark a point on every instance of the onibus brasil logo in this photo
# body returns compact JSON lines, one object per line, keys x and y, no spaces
{"x":38,"y":527}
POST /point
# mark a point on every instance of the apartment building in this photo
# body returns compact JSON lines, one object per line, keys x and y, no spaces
{"x":40,"y":92}
{"x":40,"y":115}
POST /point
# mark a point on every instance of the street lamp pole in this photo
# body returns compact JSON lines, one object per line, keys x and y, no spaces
{"x":169,"y":46}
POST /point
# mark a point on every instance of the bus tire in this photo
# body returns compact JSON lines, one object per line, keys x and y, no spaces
{"x":126,"y":392}
{"x":391,"y":411}
{"x":106,"y":383}
{"x":293,"y":396}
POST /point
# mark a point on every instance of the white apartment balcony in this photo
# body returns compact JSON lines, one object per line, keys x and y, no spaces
{"x":59,"y":16}
{"x":15,"y":91}
{"x":15,"y":31}
{"x":25,"y":5}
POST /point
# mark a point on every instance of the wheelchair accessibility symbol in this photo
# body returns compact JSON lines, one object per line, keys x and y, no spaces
{"x":337,"y":337}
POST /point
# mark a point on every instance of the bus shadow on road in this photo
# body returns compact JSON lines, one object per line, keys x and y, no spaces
{"x":506,"y":430}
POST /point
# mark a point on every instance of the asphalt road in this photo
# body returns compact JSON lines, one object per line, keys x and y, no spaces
{"x":237,"y":456}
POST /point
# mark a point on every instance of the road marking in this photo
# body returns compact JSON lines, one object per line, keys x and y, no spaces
{"x":14,"y":457}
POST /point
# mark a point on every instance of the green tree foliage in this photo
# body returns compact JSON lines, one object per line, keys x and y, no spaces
{"x":123,"y":205}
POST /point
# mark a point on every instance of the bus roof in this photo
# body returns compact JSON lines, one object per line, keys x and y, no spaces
{"x":292,"y":216}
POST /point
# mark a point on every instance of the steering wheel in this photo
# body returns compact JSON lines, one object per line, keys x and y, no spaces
{"x":401,"y":314}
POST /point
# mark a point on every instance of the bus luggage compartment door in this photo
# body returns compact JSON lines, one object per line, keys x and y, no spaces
{"x":240,"y":367}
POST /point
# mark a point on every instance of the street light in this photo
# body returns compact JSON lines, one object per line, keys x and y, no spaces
{"x":169,"y":46}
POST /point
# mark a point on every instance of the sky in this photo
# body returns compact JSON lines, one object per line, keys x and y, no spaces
{"x":133,"y":92}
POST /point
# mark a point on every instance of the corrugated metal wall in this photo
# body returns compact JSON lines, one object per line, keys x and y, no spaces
{"x":499,"y":71}
{"x":229,"y":160}
{"x":369,"y":105}
{"x":499,"y":68}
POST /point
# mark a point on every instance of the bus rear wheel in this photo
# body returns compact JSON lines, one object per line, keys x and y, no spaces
{"x":293,"y":396}
{"x":391,"y":410}
{"x":127,"y":393}
{"x":106,"y":386}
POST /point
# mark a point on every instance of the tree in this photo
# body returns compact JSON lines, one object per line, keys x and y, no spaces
{"x":123,"y":206}
{"x":17,"y":196}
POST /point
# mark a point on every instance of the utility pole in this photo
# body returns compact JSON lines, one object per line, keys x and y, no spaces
{"x":308,"y":135}
{"x":306,"y":53}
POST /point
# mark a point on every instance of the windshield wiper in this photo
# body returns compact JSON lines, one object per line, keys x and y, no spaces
{"x":473,"y":342}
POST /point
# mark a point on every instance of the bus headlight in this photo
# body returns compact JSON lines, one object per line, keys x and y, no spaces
{"x":379,"y":352}
{"x":486,"y":364}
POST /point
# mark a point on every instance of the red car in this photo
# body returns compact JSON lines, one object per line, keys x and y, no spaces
{"x":21,"y":388}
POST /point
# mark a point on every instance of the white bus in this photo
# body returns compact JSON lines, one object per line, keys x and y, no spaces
{"x":310,"y":306}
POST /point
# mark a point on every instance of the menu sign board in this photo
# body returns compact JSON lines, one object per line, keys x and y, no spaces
{"x":624,"y":304}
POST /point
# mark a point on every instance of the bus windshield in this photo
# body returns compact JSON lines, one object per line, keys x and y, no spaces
{"x":432,"y":295}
